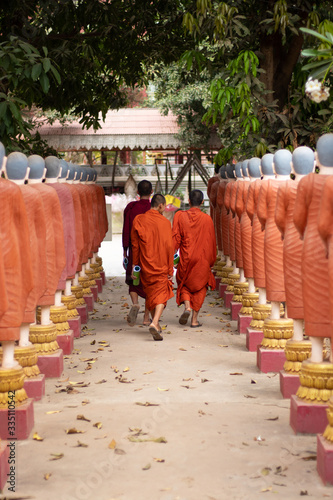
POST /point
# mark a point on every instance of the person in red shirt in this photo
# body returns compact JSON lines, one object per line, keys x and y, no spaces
{"x":133,"y":209}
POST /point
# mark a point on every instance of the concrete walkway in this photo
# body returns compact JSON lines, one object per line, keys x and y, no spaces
{"x":221,"y":427}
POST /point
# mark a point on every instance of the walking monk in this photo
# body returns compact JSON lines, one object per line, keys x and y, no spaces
{"x":194,"y":235}
{"x":152,"y":248}
{"x":133,"y":209}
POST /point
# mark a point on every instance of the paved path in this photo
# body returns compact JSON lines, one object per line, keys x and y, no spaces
{"x":226,"y":435}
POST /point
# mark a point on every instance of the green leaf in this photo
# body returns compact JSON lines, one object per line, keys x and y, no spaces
{"x":316,"y":65}
{"x":310,"y":52}
{"x":36,"y":71}
{"x":317,"y":35}
{"x":46,"y":64}
{"x":45,"y":83}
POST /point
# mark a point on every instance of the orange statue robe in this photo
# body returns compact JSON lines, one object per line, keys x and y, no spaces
{"x":258,"y":235}
{"x":68,"y":223}
{"x":3,"y":293}
{"x":238,"y":240}
{"x":16,"y":258}
{"x":231,"y":220}
{"x":193,"y":234}
{"x":224,"y":216}
{"x":78,"y":225}
{"x":37,"y":237}
{"x":275,"y":288}
{"x":151,"y":238}
{"x":315,"y":282}
{"x":245,"y":227}
{"x":87,"y":221}
{"x":209,"y":186}
{"x":97,"y":229}
{"x":102,"y":215}
{"x":220,"y":206}
{"x":55,"y":245}
{"x":292,"y":248}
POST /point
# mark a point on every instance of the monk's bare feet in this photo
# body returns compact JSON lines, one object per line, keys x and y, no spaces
{"x":155,"y":332}
{"x":184,"y":317}
{"x":132,"y":315}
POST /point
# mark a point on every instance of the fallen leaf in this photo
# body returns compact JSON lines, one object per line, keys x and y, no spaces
{"x":187,"y":379}
{"x":146,"y":404}
{"x":79,"y":371}
{"x":56,"y":456}
{"x":82,"y":417}
{"x":236,"y":373}
{"x":85,"y":402}
{"x":36,"y":437}
{"x":263,"y":490}
{"x":148,"y":373}
{"x":47,"y":476}
{"x":146,"y":467}
{"x":126,"y":369}
{"x":134,"y":439}
{"x":162,"y":390}
{"x":81,"y":445}
{"x":222,"y":345}
{"x":139,"y":389}
{"x":272,"y":418}
{"x":53,"y":411}
{"x":253,"y":381}
{"x":249,"y":396}
{"x":203,"y":380}
{"x":159,"y":460}
{"x":265,"y":471}
{"x":101,"y":381}
{"x":99,"y":425}
{"x":309,"y":457}
{"x":65,"y":380}
{"x":118,"y":451}
{"x":93,"y":342}
{"x":73,"y":430}
{"x":112,"y":445}
{"x":182,"y":349}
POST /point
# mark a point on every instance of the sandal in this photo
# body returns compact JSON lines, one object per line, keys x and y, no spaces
{"x":132,"y":315}
{"x":155,"y":333}
{"x":184,"y":317}
{"x":196,"y":326}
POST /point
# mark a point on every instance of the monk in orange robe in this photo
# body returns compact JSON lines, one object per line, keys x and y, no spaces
{"x":193,"y":234}
{"x":152,"y":248}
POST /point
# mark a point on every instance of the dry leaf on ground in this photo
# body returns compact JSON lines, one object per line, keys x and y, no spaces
{"x":36,"y":437}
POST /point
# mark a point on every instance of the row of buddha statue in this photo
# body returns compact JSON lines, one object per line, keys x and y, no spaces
{"x":52,"y":222}
{"x":274,"y":223}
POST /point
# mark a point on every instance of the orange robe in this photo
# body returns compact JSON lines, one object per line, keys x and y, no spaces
{"x":238,"y":240}
{"x":55,"y":245}
{"x":292,"y":248}
{"x":102,"y":215}
{"x":37,"y":238}
{"x":193,"y":234}
{"x":258,"y":235}
{"x":151,"y":238}
{"x":315,"y":282}
{"x":224,"y":217}
{"x":209,"y":186}
{"x":87,"y":221}
{"x":78,"y":225}
{"x":16,"y":257}
{"x":231,"y":220}
{"x":275,"y":288}
{"x":245,"y":227}
{"x":3,"y":293}
{"x":214,"y":205}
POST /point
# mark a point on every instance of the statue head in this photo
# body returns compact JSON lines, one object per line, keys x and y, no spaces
{"x":254,"y":168}
{"x":324,"y":150}
{"x":238,"y":170}
{"x":266,"y":164}
{"x":230,"y":168}
{"x":52,"y":164}
{"x":303,"y":160}
{"x":37,"y":167}
{"x":282,"y":161}
{"x":223,"y":172}
{"x":16,"y":168}
{"x":245,"y":165}
{"x":64,"y":169}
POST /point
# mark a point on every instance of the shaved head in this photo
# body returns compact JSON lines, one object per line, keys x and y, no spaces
{"x":157,"y":199}
{"x":145,"y":188}
{"x":196,"y":197}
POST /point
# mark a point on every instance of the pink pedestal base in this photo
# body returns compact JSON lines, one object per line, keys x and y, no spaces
{"x":75,"y":325}
{"x":307,"y":418}
{"x":89,"y":298}
{"x":244,"y":321}
{"x":66,"y":342}
{"x":99,"y":284}
{"x":289,"y":383}
{"x":227,"y":299}
{"x":102,"y":273}
{"x":270,"y":360}
{"x":325,"y":460}
{"x":4,"y":465}
{"x":253,"y":339}
{"x":51,"y":365}
{"x":24,"y":421}
{"x":94,"y":291}
{"x":222,"y":288}
{"x":218,"y":281}
{"x":83,"y":312}
{"x":235,"y":308}
{"x":35,"y":387}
